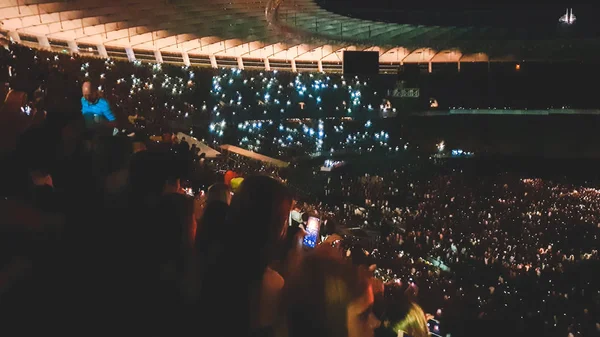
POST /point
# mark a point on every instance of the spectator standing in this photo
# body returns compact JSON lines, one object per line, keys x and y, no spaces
{"x":95,"y":109}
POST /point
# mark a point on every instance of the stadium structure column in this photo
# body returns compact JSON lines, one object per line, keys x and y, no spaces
{"x":14,"y":36}
{"x":158,"y":56}
{"x":102,"y":51}
{"x":240,"y":62}
{"x":73,"y":46}
{"x":43,"y":42}
{"x":186,"y":58}
{"x":267,"y":65}
{"x":130,"y":54}
{"x":213,"y":61}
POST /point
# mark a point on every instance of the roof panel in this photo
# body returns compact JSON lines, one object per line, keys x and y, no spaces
{"x":302,"y":30}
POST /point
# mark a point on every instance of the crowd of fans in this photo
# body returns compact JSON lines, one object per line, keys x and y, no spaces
{"x":99,"y":236}
{"x":490,"y":249}
{"x":238,"y":107}
{"x":104,"y":238}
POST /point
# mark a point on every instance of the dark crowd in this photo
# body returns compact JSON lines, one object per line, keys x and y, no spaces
{"x":510,"y":254}
{"x":107,"y":230}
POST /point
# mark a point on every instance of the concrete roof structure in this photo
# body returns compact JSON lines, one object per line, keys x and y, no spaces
{"x":295,"y":35}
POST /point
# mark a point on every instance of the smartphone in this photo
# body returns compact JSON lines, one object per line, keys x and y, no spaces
{"x":26,"y":110}
{"x":434,"y":327}
{"x":313,"y":227}
{"x":189,"y":191}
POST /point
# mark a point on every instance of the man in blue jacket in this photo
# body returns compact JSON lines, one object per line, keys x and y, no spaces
{"x":95,"y":109}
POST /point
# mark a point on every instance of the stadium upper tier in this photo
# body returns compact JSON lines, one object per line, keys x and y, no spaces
{"x":295,"y":35}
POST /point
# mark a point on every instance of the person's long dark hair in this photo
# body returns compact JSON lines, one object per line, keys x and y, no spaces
{"x":318,"y":293}
{"x":256,"y":224}
{"x":211,"y":225}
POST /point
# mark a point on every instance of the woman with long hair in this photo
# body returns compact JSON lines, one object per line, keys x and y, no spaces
{"x":403,"y":316}
{"x":414,"y":323}
{"x":328,"y":296}
{"x":239,"y":292}
{"x":213,"y":216}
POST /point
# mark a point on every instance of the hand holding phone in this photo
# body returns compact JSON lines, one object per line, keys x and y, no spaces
{"x":434,"y":327}
{"x":26,"y":109}
{"x":313,"y":227}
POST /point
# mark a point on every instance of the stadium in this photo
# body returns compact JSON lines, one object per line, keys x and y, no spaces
{"x":176,"y":161}
{"x":293,"y":35}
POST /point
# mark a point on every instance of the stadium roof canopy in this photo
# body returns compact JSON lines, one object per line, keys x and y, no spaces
{"x":268,"y":34}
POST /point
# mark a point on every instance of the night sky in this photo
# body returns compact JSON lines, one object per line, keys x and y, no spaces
{"x":529,"y":18}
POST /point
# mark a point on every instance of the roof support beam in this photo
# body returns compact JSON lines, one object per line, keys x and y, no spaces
{"x":102,"y":51}
{"x":312,"y":54}
{"x":266,"y":51}
{"x":214,"y":48}
{"x":334,"y":55}
{"x":43,"y":41}
{"x":187,"y":44}
{"x":244,"y":49}
{"x":14,"y":35}
{"x":186,"y":58}
{"x":158,"y":56}
{"x":73,"y":47}
{"x":130,"y":54}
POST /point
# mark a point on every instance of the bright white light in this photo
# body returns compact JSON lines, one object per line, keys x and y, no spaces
{"x":441,"y":146}
{"x":569,"y":18}
{"x":26,"y":110}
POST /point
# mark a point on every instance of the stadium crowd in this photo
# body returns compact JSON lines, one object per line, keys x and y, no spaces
{"x":99,"y":236}
{"x":493,"y":249}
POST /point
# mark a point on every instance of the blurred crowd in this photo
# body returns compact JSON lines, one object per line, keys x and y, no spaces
{"x":106,"y":237}
{"x":107,"y":230}
{"x":498,"y":249}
